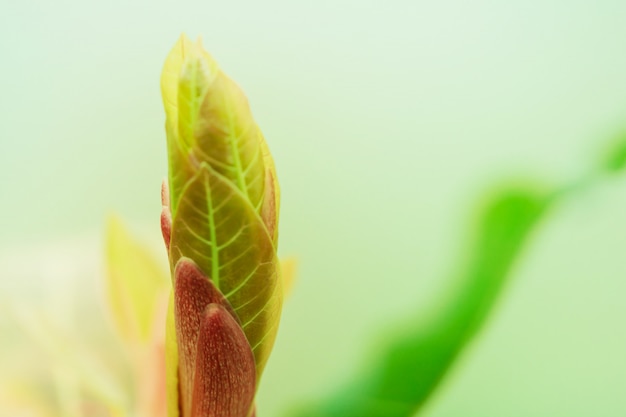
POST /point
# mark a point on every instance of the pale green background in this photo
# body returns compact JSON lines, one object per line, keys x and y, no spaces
{"x":386,"y":120}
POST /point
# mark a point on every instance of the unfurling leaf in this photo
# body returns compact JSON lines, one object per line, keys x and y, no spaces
{"x":231,"y":246}
{"x":209,"y":120}
{"x":220,"y":226}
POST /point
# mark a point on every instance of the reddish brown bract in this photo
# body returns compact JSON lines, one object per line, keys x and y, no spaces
{"x":217,"y":369}
{"x":225,"y":372}
{"x":166,"y":215}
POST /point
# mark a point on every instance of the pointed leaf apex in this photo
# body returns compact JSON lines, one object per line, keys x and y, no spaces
{"x":225,"y":380}
{"x":193,"y":292}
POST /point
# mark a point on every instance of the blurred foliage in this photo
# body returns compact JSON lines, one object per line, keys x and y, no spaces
{"x":615,"y":158}
{"x":135,"y":281}
{"x":402,"y":379}
{"x":223,"y":191}
{"x":137,"y":294}
{"x":413,"y":365}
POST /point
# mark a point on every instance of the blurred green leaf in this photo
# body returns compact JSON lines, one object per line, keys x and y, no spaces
{"x":615,"y":159}
{"x":413,"y":365}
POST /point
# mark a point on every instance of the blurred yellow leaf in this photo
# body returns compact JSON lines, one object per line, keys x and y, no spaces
{"x":134,"y":282}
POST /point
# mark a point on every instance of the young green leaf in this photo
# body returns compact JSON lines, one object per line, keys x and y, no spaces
{"x":224,"y":235}
{"x":221,"y":209}
{"x":209,"y":120}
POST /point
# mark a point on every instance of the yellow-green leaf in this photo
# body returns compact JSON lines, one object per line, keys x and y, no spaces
{"x":270,"y":212}
{"x":209,"y":120}
{"x":219,"y":229}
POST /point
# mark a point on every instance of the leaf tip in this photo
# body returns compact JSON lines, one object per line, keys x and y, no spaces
{"x":225,"y":381}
